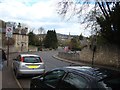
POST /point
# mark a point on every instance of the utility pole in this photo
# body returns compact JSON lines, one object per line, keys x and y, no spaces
{"x":9,"y":32}
{"x":8,"y":51}
{"x":94,"y":49}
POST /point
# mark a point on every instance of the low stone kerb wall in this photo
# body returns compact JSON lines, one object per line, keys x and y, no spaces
{"x":107,"y":56}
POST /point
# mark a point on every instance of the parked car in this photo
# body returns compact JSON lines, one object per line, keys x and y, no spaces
{"x":77,"y":78}
{"x":28,"y":64}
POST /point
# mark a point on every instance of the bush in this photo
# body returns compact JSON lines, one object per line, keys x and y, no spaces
{"x":76,"y":49}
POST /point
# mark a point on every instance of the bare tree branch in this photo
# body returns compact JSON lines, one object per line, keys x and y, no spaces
{"x":107,"y":3}
{"x":101,"y":9}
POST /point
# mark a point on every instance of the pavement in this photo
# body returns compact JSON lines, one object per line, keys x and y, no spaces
{"x":8,"y":80}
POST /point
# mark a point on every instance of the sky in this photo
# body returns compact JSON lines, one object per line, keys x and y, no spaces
{"x":39,"y":13}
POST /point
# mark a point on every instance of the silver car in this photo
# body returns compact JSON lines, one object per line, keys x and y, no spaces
{"x":28,"y":64}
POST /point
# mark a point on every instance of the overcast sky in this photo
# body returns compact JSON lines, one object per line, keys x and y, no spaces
{"x":39,"y":13}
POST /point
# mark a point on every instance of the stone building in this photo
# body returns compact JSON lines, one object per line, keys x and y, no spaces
{"x":19,"y":39}
{"x":2,"y":25}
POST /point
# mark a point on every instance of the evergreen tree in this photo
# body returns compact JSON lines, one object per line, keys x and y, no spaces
{"x":51,"y":40}
{"x":31,"y":38}
{"x":110,"y":26}
{"x":81,"y":37}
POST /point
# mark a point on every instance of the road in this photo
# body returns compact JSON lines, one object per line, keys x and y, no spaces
{"x":50,"y":63}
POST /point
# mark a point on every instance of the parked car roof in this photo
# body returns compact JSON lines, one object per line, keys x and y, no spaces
{"x":98,"y":73}
{"x":23,"y":55}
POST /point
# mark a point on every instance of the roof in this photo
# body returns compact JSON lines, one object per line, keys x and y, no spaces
{"x":24,"y":55}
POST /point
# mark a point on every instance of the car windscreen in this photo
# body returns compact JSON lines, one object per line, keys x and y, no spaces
{"x":32,"y":59}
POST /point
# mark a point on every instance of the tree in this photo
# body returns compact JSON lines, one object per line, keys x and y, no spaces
{"x":55,"y":44}
{"x":110,"y":25}
{"x":103,"y":18}
{"x":75,"y":44}
{"x":31,"y":38}
{"x":41,"y":32}
{"x":80,"y":9}
{"x":81,"y":37}
{"x":50,"y":40}
{"x":5,"y":41}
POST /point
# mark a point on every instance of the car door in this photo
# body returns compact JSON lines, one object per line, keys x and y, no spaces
{"x":51,"y":79}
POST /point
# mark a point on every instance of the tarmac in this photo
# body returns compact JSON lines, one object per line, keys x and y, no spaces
{"x":8,"y":80}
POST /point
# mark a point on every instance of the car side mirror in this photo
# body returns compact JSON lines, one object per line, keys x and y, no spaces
{"x":42,"y":78}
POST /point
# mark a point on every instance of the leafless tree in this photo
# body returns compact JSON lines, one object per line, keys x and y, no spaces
{"x":86,"y":10}
{"x":41,"y":32}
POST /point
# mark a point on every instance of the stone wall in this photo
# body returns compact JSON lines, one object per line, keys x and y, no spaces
{"x":32,"y":48}
{"x":70,"y":56}
{"x":108,"y":55}
{"x":12,"y":48}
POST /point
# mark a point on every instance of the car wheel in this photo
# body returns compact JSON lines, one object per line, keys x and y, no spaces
{"x":13,"y":68}
{"x":14,"y":71}
{"x":17,"y":74}
{"x":12,"y":65}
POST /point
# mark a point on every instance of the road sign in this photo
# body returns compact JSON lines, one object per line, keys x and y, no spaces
{"x":9,"y":31}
